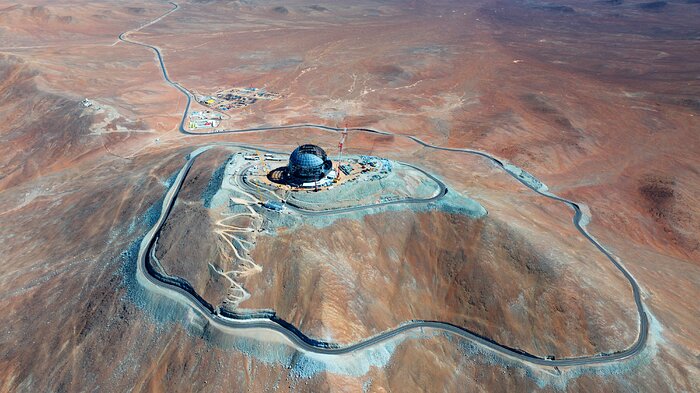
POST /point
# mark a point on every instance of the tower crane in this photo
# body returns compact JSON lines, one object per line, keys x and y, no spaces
{"x":344,"y":135}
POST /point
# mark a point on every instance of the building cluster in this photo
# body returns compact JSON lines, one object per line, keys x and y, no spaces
{"x":204,"y":119}
{"x":381,"y":164}
{"x":235,"y":98}
{"x":267,"y":156}
{"x":345,"y":168}
{"x":309,"y":168}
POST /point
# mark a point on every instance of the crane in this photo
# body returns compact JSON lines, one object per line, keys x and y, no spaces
{"x":344,"y":135}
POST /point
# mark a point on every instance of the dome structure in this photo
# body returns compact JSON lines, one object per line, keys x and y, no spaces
{"x":308,"y":163}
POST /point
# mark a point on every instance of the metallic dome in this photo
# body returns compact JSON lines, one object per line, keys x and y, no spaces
{"x":308,"y":163}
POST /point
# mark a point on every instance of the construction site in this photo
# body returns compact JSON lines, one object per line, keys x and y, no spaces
{"x":254,"y":193}
{"x":308,"y":179}
{"x":204,"y":119}
{"x":235,"y":98}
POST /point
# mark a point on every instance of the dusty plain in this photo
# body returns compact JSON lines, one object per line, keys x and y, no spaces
{"x":599,"y":100}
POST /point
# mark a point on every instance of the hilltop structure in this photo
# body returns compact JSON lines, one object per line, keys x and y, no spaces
{"x":308,"y":163}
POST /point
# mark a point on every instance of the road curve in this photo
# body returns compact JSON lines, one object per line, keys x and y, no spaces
{"x":304,"y":343}
{"x":301,"y":342}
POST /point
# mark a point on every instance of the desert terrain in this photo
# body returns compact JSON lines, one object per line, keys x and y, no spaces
{"x":600,"y":101}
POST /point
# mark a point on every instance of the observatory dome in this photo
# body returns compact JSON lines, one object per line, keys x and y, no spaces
{"x":308,"y":163}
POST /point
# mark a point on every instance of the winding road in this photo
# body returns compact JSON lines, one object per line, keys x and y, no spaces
{"x":147,"y":276}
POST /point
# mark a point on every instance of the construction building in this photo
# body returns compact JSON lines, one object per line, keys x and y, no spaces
{"x":346,"y":169}
{"x":274,"y":206}
{"x":308,"y":164}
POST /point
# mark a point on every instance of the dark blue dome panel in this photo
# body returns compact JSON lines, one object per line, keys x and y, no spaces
{"x":308,"y":163}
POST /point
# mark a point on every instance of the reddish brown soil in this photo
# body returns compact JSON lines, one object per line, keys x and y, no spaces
{"x":372,"y":275}
{"x":188,"y":244}
{"x":598,"y":99}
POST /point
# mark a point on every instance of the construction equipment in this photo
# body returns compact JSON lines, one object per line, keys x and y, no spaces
{"x":344,"y":135}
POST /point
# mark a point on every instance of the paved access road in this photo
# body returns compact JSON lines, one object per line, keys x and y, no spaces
{"x":304,"y":343}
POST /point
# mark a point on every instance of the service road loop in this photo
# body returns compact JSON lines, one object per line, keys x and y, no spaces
{"x":303,"y":343}
{"x":297,"y":339}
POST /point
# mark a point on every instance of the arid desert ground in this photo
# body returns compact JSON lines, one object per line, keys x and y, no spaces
{"x":538,"y":229}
